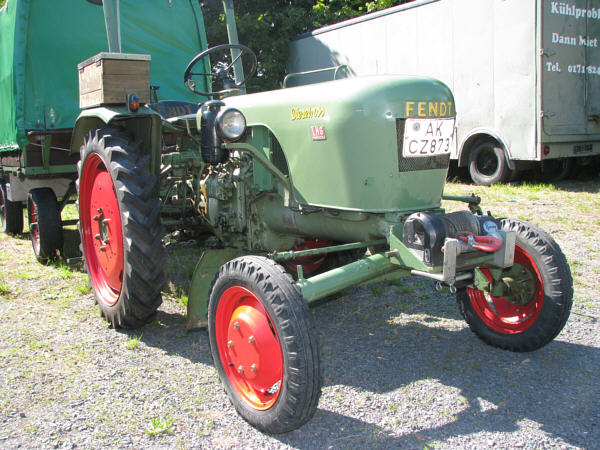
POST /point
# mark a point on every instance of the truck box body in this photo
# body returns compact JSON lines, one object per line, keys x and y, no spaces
{"x":42,"y":42}
{"x":523,"y":72}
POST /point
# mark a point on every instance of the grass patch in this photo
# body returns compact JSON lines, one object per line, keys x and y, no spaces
{"x":5,"y":289}
{"x":133,"y":342}
{"x":158,"y":426}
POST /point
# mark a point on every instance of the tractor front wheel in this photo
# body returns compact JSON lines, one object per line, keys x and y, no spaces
{"x":45,"y":226}
{"x":11,"y":213}
{"x":119,"y":223}
{"x":264,"y":344}
{"x":539,"y":299}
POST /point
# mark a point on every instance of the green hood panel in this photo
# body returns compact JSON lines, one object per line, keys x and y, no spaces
{"x":41,"y":43}
{"x":352,"y":162}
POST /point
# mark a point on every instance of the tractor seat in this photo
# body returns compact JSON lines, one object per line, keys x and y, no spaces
{"x":171,"y":108}
{"x":178,"y":114}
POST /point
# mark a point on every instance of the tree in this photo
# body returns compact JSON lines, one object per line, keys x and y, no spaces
{"x":268,"y":26}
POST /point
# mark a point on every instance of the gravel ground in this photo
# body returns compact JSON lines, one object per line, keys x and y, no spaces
{"x":401,"y":369}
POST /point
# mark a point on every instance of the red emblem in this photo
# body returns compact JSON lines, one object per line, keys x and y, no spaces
{"x":318,"y":133}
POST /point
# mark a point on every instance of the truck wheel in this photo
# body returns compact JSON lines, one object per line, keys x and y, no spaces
{"x":12,"y":213}
{"x":119,"y":223}
{"x":45,"y":226}
{"x":264,"y":344}
{"x":487,"y":164}
{"x":541,"y":297}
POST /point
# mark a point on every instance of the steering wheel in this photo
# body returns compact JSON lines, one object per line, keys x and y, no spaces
{"x":220,"y":71}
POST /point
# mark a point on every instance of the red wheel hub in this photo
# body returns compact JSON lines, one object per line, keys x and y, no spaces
{"x":504,"y":316}
{"x":249,"y":347}
{"x":309,"y":263}
{"x":101,"y":229}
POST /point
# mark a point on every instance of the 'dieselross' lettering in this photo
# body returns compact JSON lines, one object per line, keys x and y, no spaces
{"x":307,"y":113}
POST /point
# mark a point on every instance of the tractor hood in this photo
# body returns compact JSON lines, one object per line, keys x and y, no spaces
{"x":342,"y":140}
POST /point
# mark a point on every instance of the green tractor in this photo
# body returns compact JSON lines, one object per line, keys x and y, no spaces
{"x":304,"y":192}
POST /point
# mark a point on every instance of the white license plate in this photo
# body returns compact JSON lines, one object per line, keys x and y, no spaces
{"x":427,"y":137}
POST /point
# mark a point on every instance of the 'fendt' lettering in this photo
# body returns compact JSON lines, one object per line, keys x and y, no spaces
{"x":429,"y":109}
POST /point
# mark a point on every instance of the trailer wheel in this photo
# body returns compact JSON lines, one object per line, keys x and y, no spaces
{"x":45,"y":226}
{"x":553,"y":170}
{"x":487,"y":164}
{"x":119,"y":224}
{"x":540,"y":300}
{"x":11,"y":213}
{"x":264,"y":344}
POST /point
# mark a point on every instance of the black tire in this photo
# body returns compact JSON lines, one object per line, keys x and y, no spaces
{"x":45,"y":226}
{"x":272,"y":294}
{"x":124,"y":262}
{"x":553,"y":170}
{"x":547,"y":309}
{"x":488,"y":164}
{"x":11,"y":213}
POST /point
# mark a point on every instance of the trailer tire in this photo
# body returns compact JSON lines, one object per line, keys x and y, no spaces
{"x":488,"y":164}
{"x":264,"y":344}
{"x":120,"y":228}
{"x":11,"y":213}
{"x":45,"y":226}
{"x":527,"y":326}
{"x":553,"y":170}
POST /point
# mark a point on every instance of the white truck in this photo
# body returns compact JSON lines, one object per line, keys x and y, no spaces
{"x":525,"y":74}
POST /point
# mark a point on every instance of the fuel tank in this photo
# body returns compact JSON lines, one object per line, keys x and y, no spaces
{"x":372,"y":144}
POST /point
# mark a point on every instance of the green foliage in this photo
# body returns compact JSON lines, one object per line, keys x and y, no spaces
{"x":158,"y":425}
{"x":268,"y":26}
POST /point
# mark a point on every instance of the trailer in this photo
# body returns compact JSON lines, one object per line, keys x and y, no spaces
{"x":41,"y":44}
{"x":525,"y":75}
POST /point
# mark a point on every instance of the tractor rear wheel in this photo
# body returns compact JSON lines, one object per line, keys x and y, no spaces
{"x":540,"y":300}
{"x":488,"y":165}
{"x":11,"y":213}
{"x":119,"y":224}
{"x":264,"y":344}
{"x":45,"y":226}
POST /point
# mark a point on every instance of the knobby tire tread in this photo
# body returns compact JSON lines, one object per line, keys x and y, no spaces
{"x":135,"y":188}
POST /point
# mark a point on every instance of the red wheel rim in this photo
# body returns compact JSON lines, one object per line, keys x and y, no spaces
{"x":101,"y":229}
{"x":249,"y":347}
{"x":503,"y":316}
{"x":33,"y":226}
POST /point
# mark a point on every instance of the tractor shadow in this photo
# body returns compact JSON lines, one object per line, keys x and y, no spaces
{"x":401,"y":363}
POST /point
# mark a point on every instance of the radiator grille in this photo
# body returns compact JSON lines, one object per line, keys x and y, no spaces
{"x":412,"y":164}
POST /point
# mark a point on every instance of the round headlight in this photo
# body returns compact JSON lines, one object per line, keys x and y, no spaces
{"x":232,"y":124}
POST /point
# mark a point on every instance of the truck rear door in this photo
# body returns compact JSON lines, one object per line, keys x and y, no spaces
{"x":570,"y":66}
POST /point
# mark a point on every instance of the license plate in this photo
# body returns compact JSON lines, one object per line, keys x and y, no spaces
{"x":427,"y":137}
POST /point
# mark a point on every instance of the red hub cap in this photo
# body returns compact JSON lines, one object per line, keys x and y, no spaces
{"x":33,"y":227}
{"x":309,"y":263}
{"x":504,"y":316}
{"x":101,"y":229}
{"x":249,"y":347}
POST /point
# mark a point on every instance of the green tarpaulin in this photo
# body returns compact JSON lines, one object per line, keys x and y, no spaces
{"x":42,"y":41}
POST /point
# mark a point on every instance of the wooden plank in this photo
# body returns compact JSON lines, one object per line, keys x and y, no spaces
{"x":124,"y":67}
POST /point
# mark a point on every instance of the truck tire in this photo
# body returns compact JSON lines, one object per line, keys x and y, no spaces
{"x":264,"y":344}
{"x":538,"y":317}
{"x":11,"y":214}
{"x":119,"y":224}
{"x":45,"y":226}
{"x":487,"y":164}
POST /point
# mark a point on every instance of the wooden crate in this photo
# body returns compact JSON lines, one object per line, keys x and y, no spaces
{"x":107,"y":78}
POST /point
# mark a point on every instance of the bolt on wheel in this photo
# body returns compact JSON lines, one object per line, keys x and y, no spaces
{"x":264,"y":344}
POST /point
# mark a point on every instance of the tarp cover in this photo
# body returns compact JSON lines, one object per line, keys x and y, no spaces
{"x":41,"y":43}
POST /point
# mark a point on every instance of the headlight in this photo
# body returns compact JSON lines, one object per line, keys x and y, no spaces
{"x":231,"y":123}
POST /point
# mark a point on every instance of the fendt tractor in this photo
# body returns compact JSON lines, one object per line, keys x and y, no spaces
{"x":303,"y":192}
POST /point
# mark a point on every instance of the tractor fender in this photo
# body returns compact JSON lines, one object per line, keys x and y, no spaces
{"x":479,"y":134}
{"x":144,"y":125}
